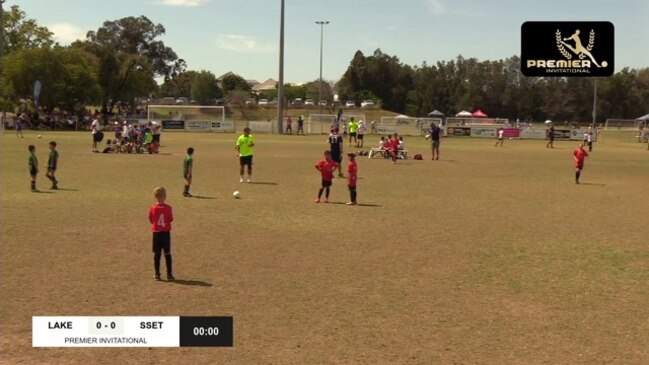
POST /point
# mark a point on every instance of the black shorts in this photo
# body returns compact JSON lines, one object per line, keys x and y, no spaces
{"x":336,"y":157}
{"x":156,"y":138}
{"x":162,"y":242}
{"x":245,"y":160}
{"x":352,"y":134}
{"x":97,"y":137}
{"x":33,"y":172}
{"x":187,"y":176}
{"x":326,"y":183}
{"x":360,"y":136}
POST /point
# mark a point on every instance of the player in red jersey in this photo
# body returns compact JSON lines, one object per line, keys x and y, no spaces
{"x":394,"y":147}
{"x":352,"y":177}
{"x":327,"y":167}
{"x":161,"y":216}
{"x":580,"y":155}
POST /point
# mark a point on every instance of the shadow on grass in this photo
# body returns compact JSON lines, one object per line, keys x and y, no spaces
{"x":42,"y":192}
{"x":262,"y":183}
{"x":191,"y":283}
{"x":591,"y":184}
{"x":204,"y":197}
{"x":357,"y":205}
{"x":64,"y":189}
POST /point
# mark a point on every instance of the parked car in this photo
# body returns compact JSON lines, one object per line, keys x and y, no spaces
{"x":263,"y":102}
{"x":168,"y":100}
{"x":297,"y":102}
{"x":323,"y":103}
{"x":350,"y":104}
{"x":221,"y":101}
{"x":273,"y":102}
{"x":251,"y":102}
{"x":367,"y":103}
{"x":309,"y":102}
{"x":182,"y":101}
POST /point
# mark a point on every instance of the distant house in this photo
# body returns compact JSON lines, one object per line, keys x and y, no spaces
{"x":252,"y":83}
{"x":267,"y":85}
{"x":219,"y":79}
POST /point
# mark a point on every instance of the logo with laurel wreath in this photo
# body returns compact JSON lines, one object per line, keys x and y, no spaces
{"x":578,"y":49}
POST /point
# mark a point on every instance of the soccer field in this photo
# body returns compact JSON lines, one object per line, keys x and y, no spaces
{"x":489,"y":255}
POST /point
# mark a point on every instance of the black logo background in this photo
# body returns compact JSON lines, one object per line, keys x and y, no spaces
{"x":538,"y":42}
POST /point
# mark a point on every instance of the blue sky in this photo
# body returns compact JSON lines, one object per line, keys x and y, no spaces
{"x":243,"y":35}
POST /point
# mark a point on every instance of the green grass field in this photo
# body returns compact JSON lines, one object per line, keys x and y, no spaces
{"x":489,"y":255}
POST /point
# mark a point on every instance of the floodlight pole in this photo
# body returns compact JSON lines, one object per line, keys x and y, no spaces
{"x":280,"y":94}
{"x":321,"y":23}
{"x":2,"y":29}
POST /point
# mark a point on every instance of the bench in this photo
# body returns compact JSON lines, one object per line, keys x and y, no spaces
{"x":403,"y":154}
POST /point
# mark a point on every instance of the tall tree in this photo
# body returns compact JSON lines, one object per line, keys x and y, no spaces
{"x":130,"y":57}
{"x":234,"y":82}
{"x":21,"y":32}
{"x":67,"y":75}
{"x":179,"y":84}
{"x":205,"y":88}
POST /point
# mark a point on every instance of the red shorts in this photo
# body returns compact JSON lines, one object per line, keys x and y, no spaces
{"x":579,"y":165}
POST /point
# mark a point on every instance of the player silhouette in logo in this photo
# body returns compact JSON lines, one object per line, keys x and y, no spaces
{"x":578,"y":48}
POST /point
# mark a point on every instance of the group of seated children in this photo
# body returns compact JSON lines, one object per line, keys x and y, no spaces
{"x":391,"y":147}
{"x":131,"y":139}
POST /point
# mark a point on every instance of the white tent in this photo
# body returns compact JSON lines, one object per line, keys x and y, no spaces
{"x":644,"y":118}
{"x":401,"y":116}
{"x":464,"y":114}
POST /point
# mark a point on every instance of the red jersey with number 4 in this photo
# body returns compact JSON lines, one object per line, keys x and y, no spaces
{"x":326,"y":168}
{"x":352,"y":173}
{"x":160,"y":216}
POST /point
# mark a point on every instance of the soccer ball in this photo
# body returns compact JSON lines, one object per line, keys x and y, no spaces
{"x":39,"y":136}
{"x":427,"y":136}
{"x":236,"y":194}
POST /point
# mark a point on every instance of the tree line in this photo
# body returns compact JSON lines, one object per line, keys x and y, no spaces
{"x":121,"y":61}
{"x":497,"y":87}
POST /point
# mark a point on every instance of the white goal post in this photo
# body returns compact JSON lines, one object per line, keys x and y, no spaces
{"x":322,"y":123}
{"x":406,"y":126}
{"x":192,"y":118}
{"x":623,"y":124}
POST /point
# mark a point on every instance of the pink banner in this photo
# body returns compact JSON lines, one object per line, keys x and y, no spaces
{"x":511,"y":133}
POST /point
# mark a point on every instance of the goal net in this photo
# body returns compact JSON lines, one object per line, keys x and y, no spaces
{"x":453,"y":121}
{"x":406,"y":126}
{"x":623,"y":124}
{"x":194,"y":118}
{"x":322,"y":123}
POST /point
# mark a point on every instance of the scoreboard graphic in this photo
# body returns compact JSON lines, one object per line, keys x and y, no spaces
{"x":132,"y":331}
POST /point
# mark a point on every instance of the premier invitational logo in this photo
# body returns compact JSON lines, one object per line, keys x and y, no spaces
{"x":567,"y":49}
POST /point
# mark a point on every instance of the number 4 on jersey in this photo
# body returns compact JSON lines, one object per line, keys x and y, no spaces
{"x":161,"y":221}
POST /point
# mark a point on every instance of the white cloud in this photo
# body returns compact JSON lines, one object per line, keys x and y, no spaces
{"x":67,"y":33}
{"x":185,"y":3}
{"x":437,"y":7}
{"x":242,"y":43}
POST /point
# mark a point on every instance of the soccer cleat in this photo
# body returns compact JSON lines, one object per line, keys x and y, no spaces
{"x":576,"y":181}
{"x":240,"y":179}
{"x":317,"y":200}
{"x":326,"y":200}
{"x":249,"y":180}
{"x":351,"y":203}
{"x":187,"y":195}
{"x":156,"y":277}
{"x":170,"y":278}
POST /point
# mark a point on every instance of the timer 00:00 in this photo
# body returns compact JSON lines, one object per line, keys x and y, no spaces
{"x":209,"y":331}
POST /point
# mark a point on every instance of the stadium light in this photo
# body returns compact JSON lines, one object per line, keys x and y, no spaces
{"x":280,"y":93}
{"x":321,"y":23}
{"x":2,"y":27}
